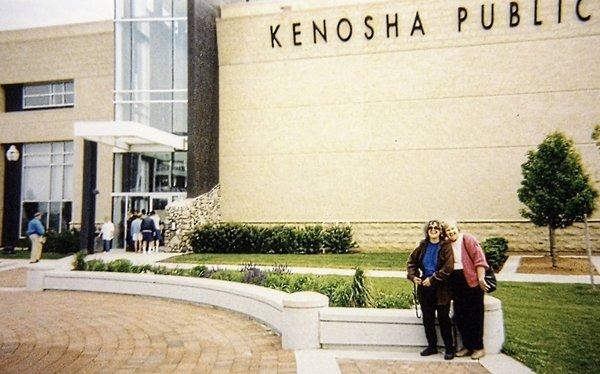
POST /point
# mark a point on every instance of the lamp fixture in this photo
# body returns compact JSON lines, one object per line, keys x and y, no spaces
{"x":12,"y":154}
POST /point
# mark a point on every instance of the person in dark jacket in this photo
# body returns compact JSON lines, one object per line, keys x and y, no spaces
{"x":148,"y":230}
{"x":429,"y":267}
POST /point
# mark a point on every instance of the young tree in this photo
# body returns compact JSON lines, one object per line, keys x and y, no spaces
{"x":555,"y":188}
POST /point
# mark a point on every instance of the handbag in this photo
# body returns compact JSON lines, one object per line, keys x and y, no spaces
{"x":490,"y":279}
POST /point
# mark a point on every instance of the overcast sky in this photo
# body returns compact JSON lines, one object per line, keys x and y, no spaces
{"x":22,"y":14}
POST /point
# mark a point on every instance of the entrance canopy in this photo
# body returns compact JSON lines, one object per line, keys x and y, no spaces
{"x":127,"y":136}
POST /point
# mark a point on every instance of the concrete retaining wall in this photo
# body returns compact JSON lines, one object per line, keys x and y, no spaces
{"x":303,"y":319}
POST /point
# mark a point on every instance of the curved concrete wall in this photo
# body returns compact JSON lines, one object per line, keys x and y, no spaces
{"x":303,"y":319}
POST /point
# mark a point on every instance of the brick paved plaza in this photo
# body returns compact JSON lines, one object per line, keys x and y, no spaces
{"x":67,"y":332}
{"x":393,"y":366}
{"x":45,"y":332}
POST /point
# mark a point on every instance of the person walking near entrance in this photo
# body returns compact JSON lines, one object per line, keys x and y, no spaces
{"x":157,"y":237}
{"x":108,"y":233}
{"x":148,"y":230}
{"x":136,"y":232}
{"x":36,"y":231}
{"x":129,"y":244}
{"x":429,"y":267}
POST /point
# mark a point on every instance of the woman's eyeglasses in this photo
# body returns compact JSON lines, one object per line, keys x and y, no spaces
{"x":436,"y":228}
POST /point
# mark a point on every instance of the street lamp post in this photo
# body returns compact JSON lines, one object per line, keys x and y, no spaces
{"x":12,"y":155}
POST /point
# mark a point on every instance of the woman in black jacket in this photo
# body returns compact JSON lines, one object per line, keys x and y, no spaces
{"x":429,"y":267}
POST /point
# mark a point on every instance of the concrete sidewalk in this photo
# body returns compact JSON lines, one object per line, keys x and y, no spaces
{"x":508,"y":273}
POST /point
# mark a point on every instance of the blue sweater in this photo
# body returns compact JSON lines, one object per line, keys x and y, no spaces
{"x":35,"y":227}
{"x":430,"y":259}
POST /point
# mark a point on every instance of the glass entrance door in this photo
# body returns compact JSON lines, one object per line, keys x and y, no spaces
{"x":124,"y":204}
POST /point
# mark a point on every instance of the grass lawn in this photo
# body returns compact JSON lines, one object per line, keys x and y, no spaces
{"x":26,"y":254}
{"x":552,"y":328}
{"x":365,"y":260}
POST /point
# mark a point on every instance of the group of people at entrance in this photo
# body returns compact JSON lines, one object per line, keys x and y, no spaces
{"x":144,"y":231}
{"x":446,"y":266}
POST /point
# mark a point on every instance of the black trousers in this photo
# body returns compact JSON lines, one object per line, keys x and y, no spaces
{"x":429,"y":306}
{"x":468,"y":311}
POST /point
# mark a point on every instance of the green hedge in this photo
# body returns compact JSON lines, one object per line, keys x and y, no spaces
{"x":495,"y":251}
{"x":243,"y":238}
{"x":64,"y":242}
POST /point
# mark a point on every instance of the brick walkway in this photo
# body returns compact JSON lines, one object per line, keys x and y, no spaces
{"x":53,"y":331}
{"x":380,"y":366}
{"x":13,"y":278}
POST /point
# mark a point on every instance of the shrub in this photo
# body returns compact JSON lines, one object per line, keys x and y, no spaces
{"x":281,"y":239}
{"x":331,"y":287}
{"x":198,"y":271}
{"x":160,"y":270}
{"x":278,"y":281}
{"x":233,"y":276}
{"x":302,"y":282}
{"x":119,"y":266}
{"x":395,"y":301}
{"x":241,"y":238}
{"x":495,"y":251}
{"x":338,"y":239}
{"x":254,"y":275}
{"x":79,"y":261}
{"x":23,"y":243}
{"x":64,"y":242}
{"x":140,"y":268}
{"x":360,"y":290}
{"x":96,"y":265}
{"x":179,"y":272}
{"x":310,"y":239}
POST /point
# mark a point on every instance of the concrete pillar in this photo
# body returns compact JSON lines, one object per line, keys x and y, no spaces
{"x":493,"y":325}
{"x":35,"y":276}
{"x":301,"y":322}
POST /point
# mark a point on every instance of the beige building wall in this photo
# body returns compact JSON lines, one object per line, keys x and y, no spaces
{"x":84,"y":53}
{"x":398,"y":129}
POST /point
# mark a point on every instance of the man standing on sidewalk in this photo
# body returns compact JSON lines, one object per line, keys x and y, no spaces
{"x":36,"y":230}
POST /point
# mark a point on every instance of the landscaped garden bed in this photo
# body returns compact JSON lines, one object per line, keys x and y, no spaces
{"x":342,"y":291}
{"x":566,"y":266}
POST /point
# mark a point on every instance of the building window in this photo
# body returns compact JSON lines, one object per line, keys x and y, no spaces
{"x":48,"y":95}
{"x":47,"y":184}
{"x":150,"y":172}
{"x":151,"y":63}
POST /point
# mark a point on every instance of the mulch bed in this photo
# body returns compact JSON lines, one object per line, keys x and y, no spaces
{"x":566,"y":266}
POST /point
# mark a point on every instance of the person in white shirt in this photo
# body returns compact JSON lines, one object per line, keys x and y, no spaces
{"x":108,"y":233}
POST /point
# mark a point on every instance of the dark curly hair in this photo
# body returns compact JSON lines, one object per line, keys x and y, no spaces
{"x":431,"y":222}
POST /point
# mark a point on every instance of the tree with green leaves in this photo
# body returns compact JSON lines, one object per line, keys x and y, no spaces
{"x":555,"y":189}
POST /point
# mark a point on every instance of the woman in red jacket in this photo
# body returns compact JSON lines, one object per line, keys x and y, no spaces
{"x":468,"y":287}
{"x":429,"y":267}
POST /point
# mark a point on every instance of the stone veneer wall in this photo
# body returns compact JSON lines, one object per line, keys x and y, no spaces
{"x":187,"y":214}
{"x":521,"y":236}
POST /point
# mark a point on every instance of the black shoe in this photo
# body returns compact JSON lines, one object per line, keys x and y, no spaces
{"x":429,"y":351}
{"x":449,"y":355}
